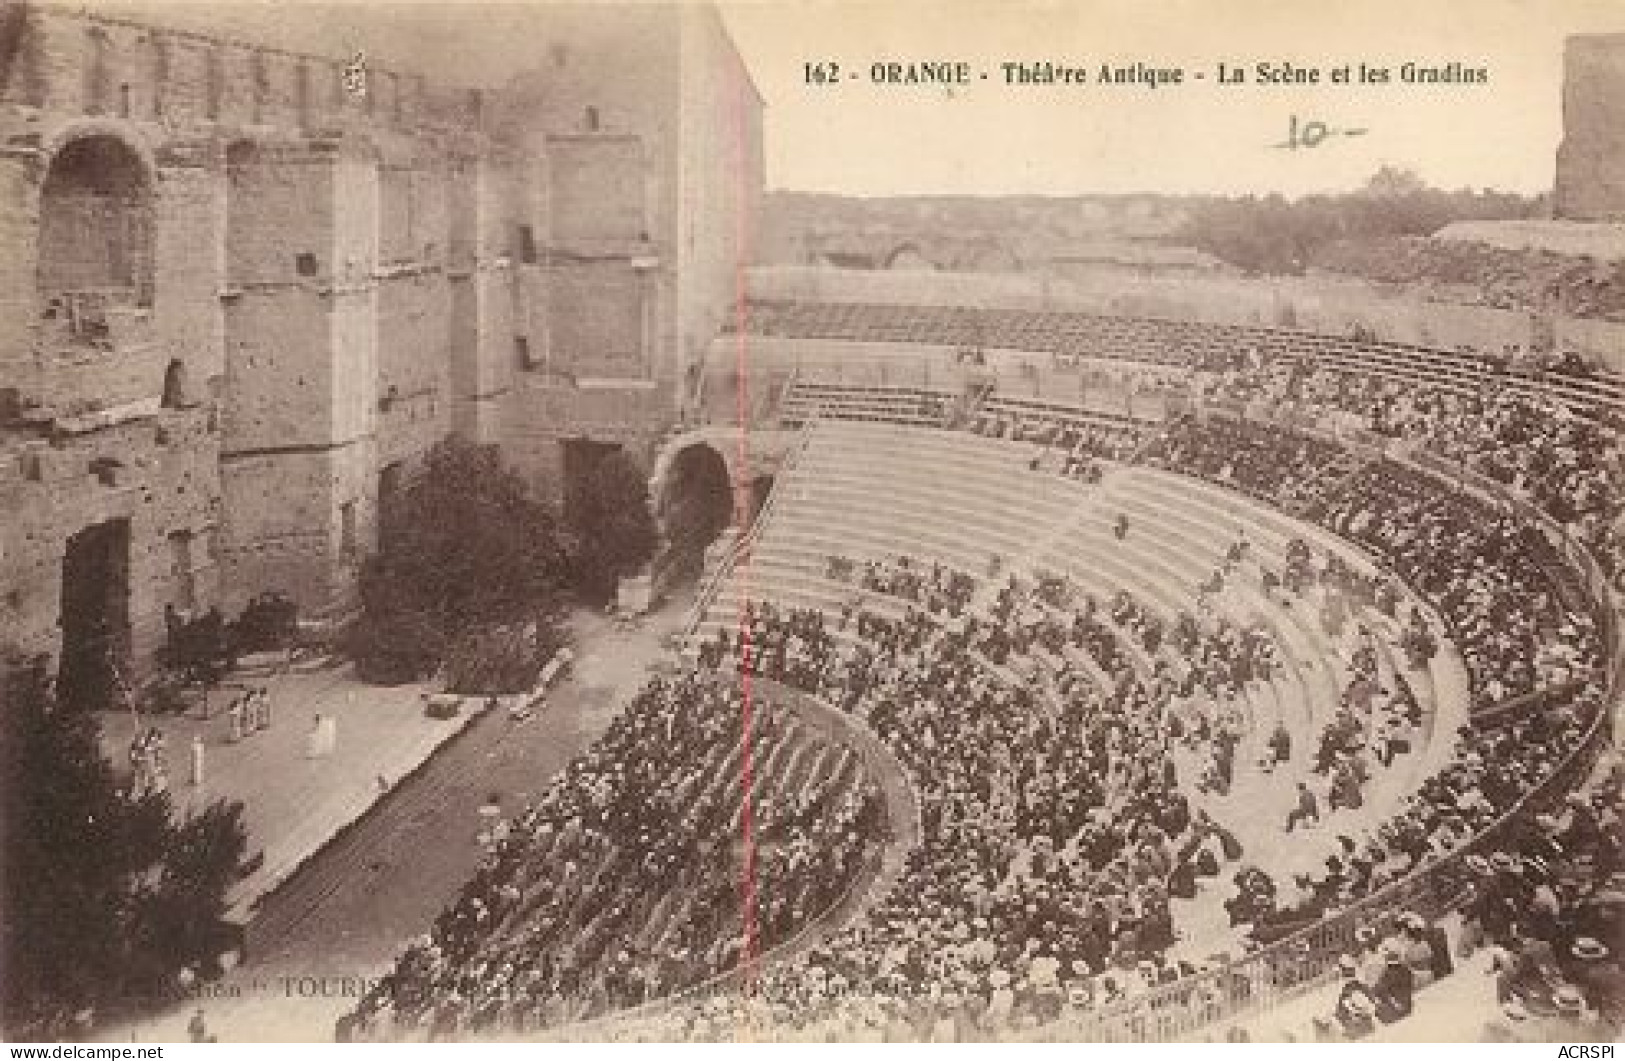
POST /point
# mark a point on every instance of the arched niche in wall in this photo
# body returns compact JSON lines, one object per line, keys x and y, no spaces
{"x":95,"y":227}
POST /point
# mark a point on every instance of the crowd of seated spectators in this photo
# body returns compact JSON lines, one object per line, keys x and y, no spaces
{"x":1486,"y":573}
{"x":1470,"y":562}
{"x":1068,"y":445}
{"x":1492,"y":769}
{"x":1544,"y":903}
{"x":1471,"y":410}
{"x":1478,"y":565}
{"x":1051,"y":829}
{"x":970,"y":739}
{"x":1568,"y":466}
{"x":620,"y":883}
{"x":1256,"y":458}
{"x":1054,"y":828}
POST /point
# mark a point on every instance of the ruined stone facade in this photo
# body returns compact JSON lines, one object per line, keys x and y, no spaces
{"x":242,"y":290}
{"x":1591,"y":159}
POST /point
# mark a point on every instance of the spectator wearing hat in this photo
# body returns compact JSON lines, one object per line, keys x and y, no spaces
{"x":1280,"y":742}
{"x":1355,"y":1013}
{"x":1426,"y":948}
{"x":1367,"y":955}
{"x":1395,"y":990}
{"x":1523,"y":967}
{"x":1575,"y":1019}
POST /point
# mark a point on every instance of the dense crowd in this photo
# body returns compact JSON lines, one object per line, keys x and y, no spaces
{"x":621,"y":882}
{"x":1542,"y":903}
{"x":1476,"y":408}
{"x":1567,"y":465}
{"x":1042,"y":890}
{"x":1051,"y":825}
{"x":1073,"y":448}
{"x":1039,"y":727}
{"x":1479,"y":566}
{"x":979,"y":976}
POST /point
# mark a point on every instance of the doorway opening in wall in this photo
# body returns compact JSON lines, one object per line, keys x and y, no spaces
{"x":606,"y":508}
{"x":697,"y":505}
{"x":349,"y":541}
{"x":95,"y":617}
{"x":391,"y":481}
{"x":174,"y":395}
{"x":583,"y":459}
{"x":182,"y":574}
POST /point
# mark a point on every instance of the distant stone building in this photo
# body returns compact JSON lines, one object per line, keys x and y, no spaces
{"x":242,"y":290}
{"x":1591,"y":158}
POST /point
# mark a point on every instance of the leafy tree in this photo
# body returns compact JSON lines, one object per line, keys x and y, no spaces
{"x":612,"y":524}
{"x":106,"y":896}
{"x":1393,"y":182}
{"x":463,"y":545}
{"x":1272,"y":235}
{"x":392,"y":643}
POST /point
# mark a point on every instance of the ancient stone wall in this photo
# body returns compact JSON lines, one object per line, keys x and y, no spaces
{"x":314,"y":285}
{"x":217,"y":381}
{"x":635,"y":199}
{"x":160,"y":473}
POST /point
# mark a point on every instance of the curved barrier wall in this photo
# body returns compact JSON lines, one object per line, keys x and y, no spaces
{"x":1305,"y":959}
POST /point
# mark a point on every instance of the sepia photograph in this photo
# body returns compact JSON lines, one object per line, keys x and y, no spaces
{"x":811,"y":521}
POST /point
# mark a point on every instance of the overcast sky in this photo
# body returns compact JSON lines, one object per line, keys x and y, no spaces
{"x":860,"y":138}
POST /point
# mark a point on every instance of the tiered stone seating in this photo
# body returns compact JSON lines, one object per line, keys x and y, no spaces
{"x":807,"y":400}
{"x":873,"y":491}
{"x":569,"y":890}
{"x":1166,"y":342}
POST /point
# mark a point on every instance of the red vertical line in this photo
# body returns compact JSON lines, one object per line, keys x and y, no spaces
{"x":748,"y":955}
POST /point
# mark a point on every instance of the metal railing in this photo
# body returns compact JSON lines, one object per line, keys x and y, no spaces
{"x":903,"y":823}
{"x":1306,"y":958}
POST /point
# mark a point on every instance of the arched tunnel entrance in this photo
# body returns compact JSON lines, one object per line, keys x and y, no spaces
{"x":696,"y":505}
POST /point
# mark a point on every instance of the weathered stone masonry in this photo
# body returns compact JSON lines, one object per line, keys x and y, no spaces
{"x":236,"y":297}
{"x":1591,"y":158}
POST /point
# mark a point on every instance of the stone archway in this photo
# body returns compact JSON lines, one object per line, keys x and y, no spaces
{"x":696,"y":500}
{"x":909,"y":257}
{"x":96,"y":227}
{"x":749,"y":459}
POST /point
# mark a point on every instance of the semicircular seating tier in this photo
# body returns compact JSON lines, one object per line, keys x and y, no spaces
{"x":621,"y":882}
{"x":869,"y":493}
{"x":1078,"y":558}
